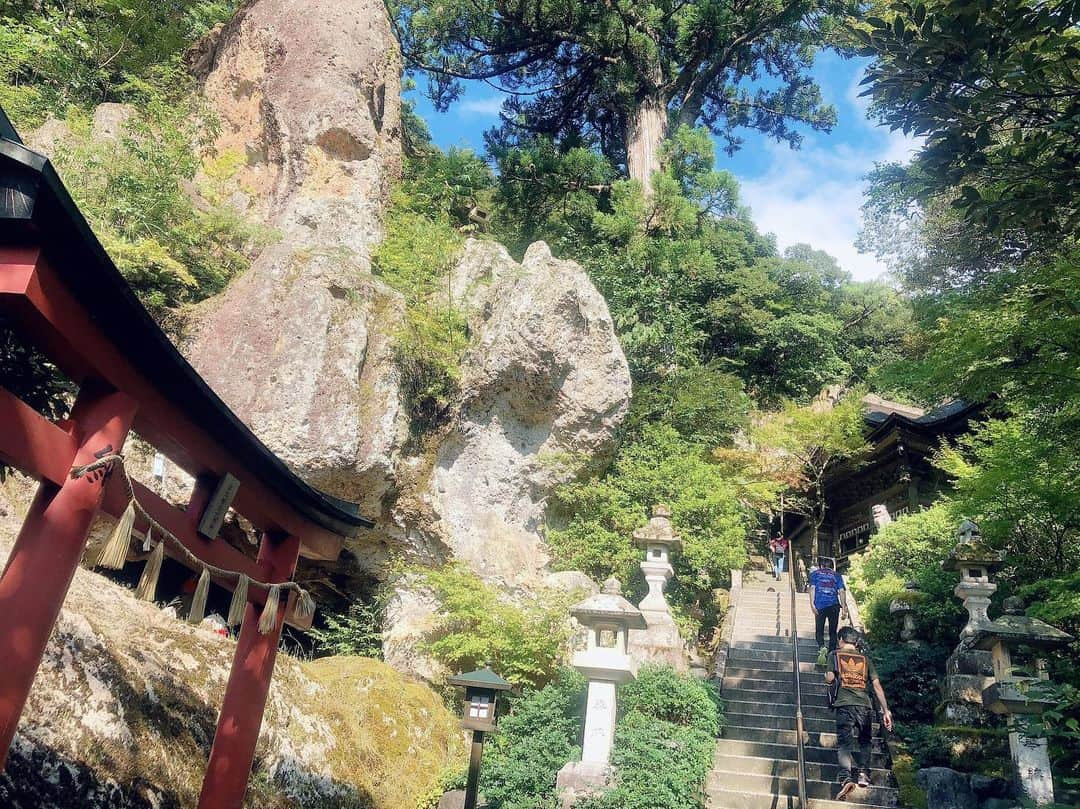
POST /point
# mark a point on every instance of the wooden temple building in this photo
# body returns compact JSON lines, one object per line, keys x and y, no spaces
{"x":897,"y":475}
{"x":62,"y":294}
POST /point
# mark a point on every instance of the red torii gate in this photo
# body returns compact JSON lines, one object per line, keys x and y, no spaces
{"x":65,"y":296}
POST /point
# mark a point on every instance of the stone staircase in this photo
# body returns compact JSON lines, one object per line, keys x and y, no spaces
{"x":756,"y":757}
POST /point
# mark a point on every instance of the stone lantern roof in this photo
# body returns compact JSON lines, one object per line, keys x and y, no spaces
{"x":1020,"y":630}
{"x":658,"y":531}
{"x":608,"y":606}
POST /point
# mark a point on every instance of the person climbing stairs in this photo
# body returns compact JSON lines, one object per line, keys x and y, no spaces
{"x":756,"y":761}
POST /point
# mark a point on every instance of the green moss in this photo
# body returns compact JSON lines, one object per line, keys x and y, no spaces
{"x":912,"y":795}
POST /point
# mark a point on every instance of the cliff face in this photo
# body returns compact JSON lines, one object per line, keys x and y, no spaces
{"x":308,"y":94}
{"x":302,"y":345}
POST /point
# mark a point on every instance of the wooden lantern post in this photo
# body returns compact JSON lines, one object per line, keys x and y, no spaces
{"x":479,"y":714}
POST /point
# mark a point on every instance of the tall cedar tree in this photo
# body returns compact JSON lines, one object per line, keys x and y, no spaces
{"x":622,"y":71}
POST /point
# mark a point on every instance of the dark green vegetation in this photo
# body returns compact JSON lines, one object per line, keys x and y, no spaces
{"x":664,"y":743}
{"x":615,"y":75}
{"x":982,"y":231}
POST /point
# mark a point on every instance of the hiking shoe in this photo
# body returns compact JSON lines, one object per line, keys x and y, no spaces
{"x":846,"y":789}
{"x":822,"y":656}
{"x":864,"y":780}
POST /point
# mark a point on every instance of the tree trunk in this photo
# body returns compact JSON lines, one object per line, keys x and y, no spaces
{"x":645,"y":131}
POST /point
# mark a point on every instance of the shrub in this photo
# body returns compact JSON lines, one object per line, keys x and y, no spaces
{"x":910,"y":549}
{"x":422,"y":242}
{"x":664,"y":742}
{"x":479,"y":626}
{"x":538,"y":736}
{"x":911,"y":676}
{"x":356,"y":631}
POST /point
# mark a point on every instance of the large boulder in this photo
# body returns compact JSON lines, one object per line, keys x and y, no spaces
{"x":545,"y":387}
{"x":308,"y":93}
{"x":946,"y":789}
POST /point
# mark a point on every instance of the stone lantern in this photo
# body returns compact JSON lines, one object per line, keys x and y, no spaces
{"x":969,"y":670}
{"x":905,"y":608}
{"x":1016,"y":691}
{"x":606,"y":662}
{"x":976,"y":562}
{"x":659,"y":641}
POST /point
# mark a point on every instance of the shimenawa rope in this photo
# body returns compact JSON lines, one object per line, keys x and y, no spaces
{"x":114,"y":553}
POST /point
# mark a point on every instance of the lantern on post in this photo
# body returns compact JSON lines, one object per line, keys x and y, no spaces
{"x":479,"y":714}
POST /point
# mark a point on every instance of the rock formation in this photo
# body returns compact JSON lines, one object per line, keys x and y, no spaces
{"x":302,"y":345}
{"x":308,"y":94}
{"x":546,"y":386}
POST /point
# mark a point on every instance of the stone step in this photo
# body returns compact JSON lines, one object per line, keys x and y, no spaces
{"x":782,"y":786}
{"x":808,"y":673}
{"x":733,"y":799}
{"x":789,"y":769}
{"x":810,"y":700}
{"x":787,"y":737}
{"x":771,"y":687}
{"x":770,"y":670}
{"x":783,"y":721}
{"x":776,"y":709}
{"x":761,"y":655}
{"x":788,"y":752}
{"x":777,"y":644}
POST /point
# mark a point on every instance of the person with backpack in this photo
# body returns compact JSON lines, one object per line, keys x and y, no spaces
{"x":828,"y":601}
{"x":779,"y":547}
{"x":849,"y":677}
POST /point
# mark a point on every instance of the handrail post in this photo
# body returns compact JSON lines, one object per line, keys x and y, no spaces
{"x":798,"y":686}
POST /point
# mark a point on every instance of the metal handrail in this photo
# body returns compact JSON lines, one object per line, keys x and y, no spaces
{"x":798,"y":686}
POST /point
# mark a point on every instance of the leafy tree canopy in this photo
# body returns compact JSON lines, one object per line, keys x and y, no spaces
{"x":994,"y":87}
{"x":607,"y":72}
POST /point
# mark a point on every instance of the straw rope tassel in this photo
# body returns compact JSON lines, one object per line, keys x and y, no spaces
{"x":305,"y":605}
{"x":148,"y":539}
{"x":239,"y":601}
{"x":198,"y":601}
{"x":268,"y":619}
{"x":149,"y":579}
{"x":115,"y":552}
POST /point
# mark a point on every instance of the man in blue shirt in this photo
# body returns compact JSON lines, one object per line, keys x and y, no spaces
{"x":828,"y":600}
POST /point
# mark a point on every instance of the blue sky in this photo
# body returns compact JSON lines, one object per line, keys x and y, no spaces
{"x":810,"y":195}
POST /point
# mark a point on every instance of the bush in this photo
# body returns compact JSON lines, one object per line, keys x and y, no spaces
{"x":533,"y":742}
{"x":356,"y":631}
{"x":423,"y":238}
{"x":479,"y":626}
{"x":664,"y":742}
{"x":910,"y":549}
{"x":911,"y":677}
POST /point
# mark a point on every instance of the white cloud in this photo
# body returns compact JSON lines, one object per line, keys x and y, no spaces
{"x":814,"y":195}
{"x":484,"y":107}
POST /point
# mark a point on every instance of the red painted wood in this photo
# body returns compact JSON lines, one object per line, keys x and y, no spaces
{"x":237,"y":733}
{"x":41,"y":305}
{"x":43,"y":450}
{"x":33,"y":444}
{"x":49,"y":548}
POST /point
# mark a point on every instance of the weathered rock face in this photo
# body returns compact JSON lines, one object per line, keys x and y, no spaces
{"x":546,"y":386}
{"x":300,"y":347}
{"x":123,"y":710}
